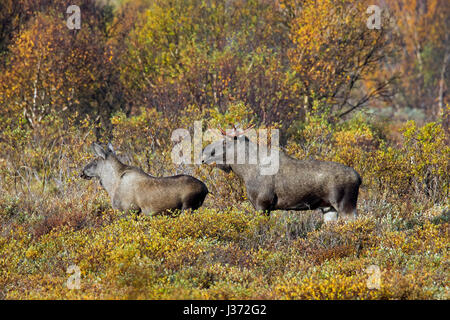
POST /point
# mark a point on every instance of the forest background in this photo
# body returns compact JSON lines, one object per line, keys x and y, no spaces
{"x":338,"y":89}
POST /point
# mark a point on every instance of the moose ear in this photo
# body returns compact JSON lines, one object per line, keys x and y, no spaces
{"x":99,"y":151}
{"x":110,"y":148}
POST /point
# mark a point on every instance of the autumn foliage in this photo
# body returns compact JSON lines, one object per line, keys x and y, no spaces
{"x":373,"y":99}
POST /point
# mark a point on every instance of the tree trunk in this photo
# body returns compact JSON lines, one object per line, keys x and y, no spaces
{"x":442,"y":83}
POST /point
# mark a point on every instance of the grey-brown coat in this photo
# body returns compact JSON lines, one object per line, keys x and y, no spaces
{"x":298,"y":184}
{"x":130,"y":188}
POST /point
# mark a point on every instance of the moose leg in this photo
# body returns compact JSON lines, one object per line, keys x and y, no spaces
{"x":150,"y":212}
{"x":117,"y":204}
{"x":329,"y":214}
{"x":264,"y":211}
{"x":345,"y":211}
{"x":348,"y":212}
{"x":264,"y":204}
{"x":347,"y":206}
{"x":344,"y":202}
{"x":193,"y":202}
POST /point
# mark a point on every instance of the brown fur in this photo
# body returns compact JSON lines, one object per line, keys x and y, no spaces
{"x":130,"y":188}
{"x":298,"y":184}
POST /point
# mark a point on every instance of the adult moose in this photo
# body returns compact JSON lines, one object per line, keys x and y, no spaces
{"x":297,"y":185}
{"x":130,"y":188}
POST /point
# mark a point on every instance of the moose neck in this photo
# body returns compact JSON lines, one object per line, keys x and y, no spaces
{"x":247,"y":170}
{"x":267,"y":162}
{"x":110,"y":175}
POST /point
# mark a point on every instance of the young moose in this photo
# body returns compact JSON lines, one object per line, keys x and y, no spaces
{"x":130,"y":188}
{"x":297,"y":185}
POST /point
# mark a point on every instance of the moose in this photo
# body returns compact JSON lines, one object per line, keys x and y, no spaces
{"x":297,"y":184}
{"x":130,"y":188}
